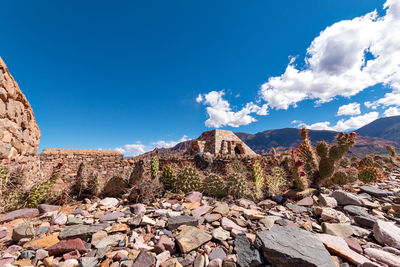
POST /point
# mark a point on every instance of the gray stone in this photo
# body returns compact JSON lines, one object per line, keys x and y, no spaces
{"x":144,"y":259}
{"x":212,"y":217}
{"x":372,"y":190}
{"x":16,"y":214}
{"x":247,"y":255}
{"x":218,"y":253}
{"x":221,"y":208}
{"x":220,"y":234}
{"x":200,"y":261}
{"x":338,"y":229}
{"x":365,"y":221}
{"x":387,"y":233}
{"x":24,"y":230}
{"x":88,"y":261}
{"x":290,"y":246}
{"x":43,"y":208}
{"x":114,"y":216}
{"x":346,"y":198}
{"x":355,"y":210}
{"x":175,"y":222}
{"x":81,"y":231}
{"x":191,"y":238}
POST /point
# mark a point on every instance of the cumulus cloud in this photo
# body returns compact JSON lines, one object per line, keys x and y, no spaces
{"x":342,"y":125}
{"x":168,"y":144}
{"x":349,"y":109}
{"x":132,"y":149}
{"x":221,"y":114}
{"x":392,"y":111}
{"x":345,"y":59}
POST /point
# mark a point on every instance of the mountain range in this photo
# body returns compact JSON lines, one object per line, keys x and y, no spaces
{"x":372,"y":138}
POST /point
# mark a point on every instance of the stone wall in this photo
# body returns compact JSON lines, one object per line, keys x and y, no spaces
{"x":19,"y":132}
{"x":106,"y":163}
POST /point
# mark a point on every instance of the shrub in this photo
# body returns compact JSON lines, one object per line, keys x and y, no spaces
{"x":369,"y":174}
{"x":276,"y":180}
{"x":352,"y":174}
{"x":188,"y":179}
{"x":237,"y":166}
{"x":214,"y":186}
{"x":237,"y":185}
{"x":391,"y":151}
{"x":340,"y":177}
{"x":146,"y":191}
{"x":168,"y":177}
{"x":154,"y":167}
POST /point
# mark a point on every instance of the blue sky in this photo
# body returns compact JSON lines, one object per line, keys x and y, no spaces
{"x":138,"y":74}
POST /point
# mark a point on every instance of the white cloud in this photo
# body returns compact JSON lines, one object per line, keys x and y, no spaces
{"x":337,"y":63}
{"x":349,"y":109}
{"x":392,"y":111}
{"x":132,"y":149}
{"x":168,"y":144}
{"x":220,"y":112}
{"x":343,"y":125}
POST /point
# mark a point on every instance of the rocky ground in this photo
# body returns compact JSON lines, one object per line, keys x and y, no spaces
{"x":355,"y":226}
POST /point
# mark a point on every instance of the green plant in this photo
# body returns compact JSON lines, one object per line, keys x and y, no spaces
{"x":391,"y":151}
{"x":258,"y":175}
{"x":188,"y":179}
{"x":39,"y":192}
{"x":81,"y":179}
{"x":168,"y":177}
{"x":4,"y":176}
{"x":154,"y":167}
{"x":340,"y":177}
{"x":367,"y":161}
{"x":294,"y":168}
{"x":352,"y":174}
{"x":276,"y":180}
{"x":369,"y":174}
{"x":237,"y":185}
{"x":95,"y":187}
{"x":237,"y":166}
{"x":330,"y":156}
{"x":306,"y":152}
{"x":214,"y":186}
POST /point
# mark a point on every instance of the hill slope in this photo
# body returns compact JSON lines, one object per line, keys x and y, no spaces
{"x":386,"y":128}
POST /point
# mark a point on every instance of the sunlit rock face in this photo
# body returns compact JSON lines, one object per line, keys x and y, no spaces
{"x":19,"y":132}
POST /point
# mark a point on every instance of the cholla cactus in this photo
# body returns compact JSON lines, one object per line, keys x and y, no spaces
{"x":214,"y":186}
{"x":329,"y":156}
{"x":14,"y":200}
{"x":188,"y":179}
{"x":367,"y":161}
{"x":306,"y":152}
{"x":81,"y":179}
{"x":294,"y":167}
{"x":4,"y":177}
{"x":352,"y":174}
{"x":237,"y":185}
{"x":369,"y":174}
{"x":39,"y":192}
{"x":154,"y":167}
{"x":392,"y":151}
{"x":95,"y":185}
{"x":276,"y":180}
{"x":340,"y":177}
{"x":258,"y":175}
{"x":168,"y":177}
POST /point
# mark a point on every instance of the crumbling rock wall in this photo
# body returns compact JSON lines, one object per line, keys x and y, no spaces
{"x":19,"y":132}
{"x":107,"y":163}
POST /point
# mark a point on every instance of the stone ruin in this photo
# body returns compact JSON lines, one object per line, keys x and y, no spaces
{"x":220,"y":142}
{"x":19,"y":132}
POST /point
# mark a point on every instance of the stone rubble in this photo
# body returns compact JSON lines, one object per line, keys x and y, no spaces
{"x":336,"y":228}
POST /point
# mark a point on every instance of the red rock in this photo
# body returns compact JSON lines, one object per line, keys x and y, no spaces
{"x":65,"y":246}
{"x":354,"y":245}
{"x":307,"y":201}
{"x":72,"y":255}
{"x":164,"y":244}
{"x":144,"y":259}
{"x":267,"y":204}
{"x":118,"y":256}
{"x":200,"y":211}
{"x":23,"y":213}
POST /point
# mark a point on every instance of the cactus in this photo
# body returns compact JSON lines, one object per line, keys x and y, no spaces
{"x":95,"y":185}
{"x":294,"y":168}
{"x":340,"y":177}
{"x":4,"y":176}
{"x":369,"y":174}
{"x":237,"y":185}
{"x":214,"y":186}
{"x":168,"y":177}
{"x":258,"y":175}
{"x":352,"y":174}
{"x":367,"y":161}
{"x":154,"y":167}
{"x":276,"y":180}
{"x":188,"y":179}
{"x":14,"y":200}
{"x":306,"y":152}
{"x":330,"y":156}
{"x":392,"y":151}
{"x":81,"y":179}
{"x":40,"y":191}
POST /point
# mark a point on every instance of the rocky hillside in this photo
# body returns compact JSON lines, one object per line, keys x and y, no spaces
{"x":334,"y":228}
{"x":289,"y":138}
{"x":385,"y":128}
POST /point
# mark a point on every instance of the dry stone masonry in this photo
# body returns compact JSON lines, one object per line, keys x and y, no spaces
{"x":19,"y":132}
{"x":220,"y":142}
